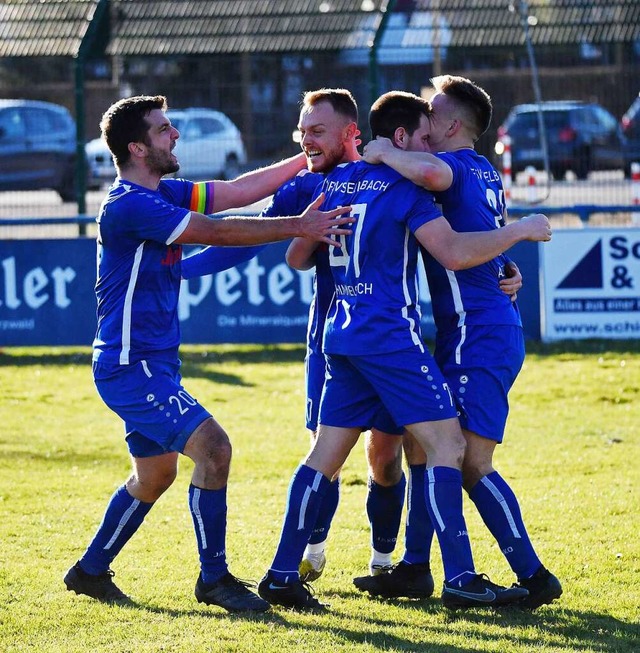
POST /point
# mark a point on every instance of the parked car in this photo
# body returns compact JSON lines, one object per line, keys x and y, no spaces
{"x":210,"y":147}
{"x":37,"y":147}
{"x":630,"y":124}
{"x":580,"y":137}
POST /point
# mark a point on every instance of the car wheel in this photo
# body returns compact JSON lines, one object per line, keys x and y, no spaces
{"x":231,"y":167}
{"x":558,"y":173}
{"x":67,"y":188}
{"x":583,"y":163}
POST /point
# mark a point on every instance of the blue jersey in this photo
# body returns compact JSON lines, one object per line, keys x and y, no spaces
{"x":474,"y":202}
{"x":291,"y":199}
{"x":138,"y":279}
{"x":375,"y":308}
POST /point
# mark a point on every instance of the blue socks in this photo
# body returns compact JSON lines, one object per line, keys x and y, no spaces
{"x":328,"y":507}
{"x":419,"y":529}
{"x":123,"y":517}
{"x":443,"y":494}
{"x":384,"y":509}
{"x":209,"y":512}
{"x":306,"y":492}
{"x":499,"y":509}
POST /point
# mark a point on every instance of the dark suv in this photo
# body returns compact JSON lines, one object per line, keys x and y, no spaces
{"x":631,"y":128}
{"x":37,"y":147}
{"x":580,"y":137}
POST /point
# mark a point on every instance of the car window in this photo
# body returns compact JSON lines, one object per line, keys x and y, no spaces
{"x":191,"y":130}
{"x":210,"y":126}
{"x":605,"y":119}
{"x":12,"y":125}
{"x":39,"y":121}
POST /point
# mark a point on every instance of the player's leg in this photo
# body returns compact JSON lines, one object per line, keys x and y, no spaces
{"x":282,"y":585}
{"x":385,"y":496}
{"x":126,"y":390}
{"x":210,"y":449}
{"x":481,"y":376}
{"x":125,"y":513}
{"x":417,"y":396}
{"x":347,"y":404}
{"x":411,"y":577}
{"x":499,"y":508}
{"x":314,"y":557}
{"x":419,"y":529}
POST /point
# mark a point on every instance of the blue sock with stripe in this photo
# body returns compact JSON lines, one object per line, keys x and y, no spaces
{"x":328,"y":507}
{"x":123,"y":517}
{"x":499,"y":509}
{"x":209,"y":512}
{"x":419,"y":531}
{"x":443,"y":494}
{"x":384,"y":509}
{"x":306,"y":491}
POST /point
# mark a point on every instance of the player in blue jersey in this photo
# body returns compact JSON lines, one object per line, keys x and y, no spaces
{"x":378,"y":369}
{"x":328,"y":128}
{"x":479,"y":339}
{"x":142,"y":225}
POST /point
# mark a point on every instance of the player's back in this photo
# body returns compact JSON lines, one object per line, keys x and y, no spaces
{"x":375,"y":308}
{"x":474,"y":202}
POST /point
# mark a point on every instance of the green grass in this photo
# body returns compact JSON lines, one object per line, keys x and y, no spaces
{"x":571,"y":453}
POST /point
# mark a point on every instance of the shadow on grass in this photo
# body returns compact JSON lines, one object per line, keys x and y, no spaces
{"x":564,"y":630}
{"x":578,"y":347}
{"x":198,"y":361}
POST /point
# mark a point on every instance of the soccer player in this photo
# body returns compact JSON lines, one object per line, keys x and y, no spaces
{"x":328,"y":125}
{"x":377,"y":364}
{"x":479,"y":339}
{"x":142,"y":225}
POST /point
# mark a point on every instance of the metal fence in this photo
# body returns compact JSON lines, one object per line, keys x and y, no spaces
{"x":260,"y":92}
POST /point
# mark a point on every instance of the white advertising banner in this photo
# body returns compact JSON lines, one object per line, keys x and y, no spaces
{"x":591,"y":284}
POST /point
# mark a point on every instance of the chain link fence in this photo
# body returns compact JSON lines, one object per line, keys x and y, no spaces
{"x":259,"y":93}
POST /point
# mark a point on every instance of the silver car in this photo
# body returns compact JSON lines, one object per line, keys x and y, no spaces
{"x":210,"y":147}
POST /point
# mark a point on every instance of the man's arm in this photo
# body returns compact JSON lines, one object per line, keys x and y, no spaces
{"x":255,"y":185}
{"x":421,"y":168}
{"x":459,"y":251}
{"x":301,"y":254}
{"x":215,"y":259}
{"x":240,"y":230}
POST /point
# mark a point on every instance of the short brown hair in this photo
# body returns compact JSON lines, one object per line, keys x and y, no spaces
{"x":340,"y":99}
{"x":124,"y":122}
{"x":471,"y":99}
{"x":397,"y":109}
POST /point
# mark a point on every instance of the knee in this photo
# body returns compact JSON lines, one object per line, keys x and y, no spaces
{"x":150,"y":487}
{"x":385,"y":467}
{"x":473,"y":472}
{"x":216,"y":454}
{"x":458,"y":448}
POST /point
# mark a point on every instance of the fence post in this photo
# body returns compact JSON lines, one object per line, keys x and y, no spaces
{"x":530,"y":171}
{"x":506,"y":169}
{"x":635,"y":191}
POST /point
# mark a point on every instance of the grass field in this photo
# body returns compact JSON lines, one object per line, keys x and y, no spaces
{"x":572,"y":453}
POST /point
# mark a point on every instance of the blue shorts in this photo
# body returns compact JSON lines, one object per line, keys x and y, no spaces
{"x":315,"y":367}
{"x":481,"y":363}
{"x":384,"y":391}
{"x":159,"y":414}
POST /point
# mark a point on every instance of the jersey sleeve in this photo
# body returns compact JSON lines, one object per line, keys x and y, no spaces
{"x":294,"y":196}
{"x":144,"y":216}
{"x":423,"y":209}
{"x":216,"y":259}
